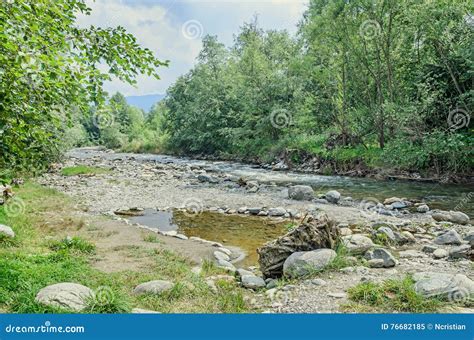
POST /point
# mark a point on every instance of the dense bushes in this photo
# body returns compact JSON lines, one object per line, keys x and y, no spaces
{"x":378,"y":83}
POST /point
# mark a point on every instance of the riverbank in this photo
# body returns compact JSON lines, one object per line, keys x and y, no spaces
{"x":123,"y":198}
{"x":56,"y":242}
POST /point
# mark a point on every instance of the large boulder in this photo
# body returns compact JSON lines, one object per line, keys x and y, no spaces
{"x":303,"y":263}
{"x":153,"y":287}
{"x":451,"y":286}
{"x":301,"y":192}
{"x":458,"y":217}
{"x":449,"y":237}
{"x":333,"y":196}
{"x":6,"y":231}
{"x":313,"y":233}
{"x":357,"y":244}
{"x":65,"y":295}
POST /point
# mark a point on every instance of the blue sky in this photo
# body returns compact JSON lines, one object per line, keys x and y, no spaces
{"x":173,"y":28}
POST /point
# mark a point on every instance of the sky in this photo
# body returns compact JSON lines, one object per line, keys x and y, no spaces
{"x":173,"y":29}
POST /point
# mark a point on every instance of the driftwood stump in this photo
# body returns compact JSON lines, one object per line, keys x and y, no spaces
{"x":313,"y":233}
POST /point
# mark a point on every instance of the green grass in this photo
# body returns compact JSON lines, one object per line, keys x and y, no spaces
{"x":390,"y":296}
{"x":152,"y":238}
{"x":72,"y":244}
{"x":83,"y":170}
{"x":29,"y":263}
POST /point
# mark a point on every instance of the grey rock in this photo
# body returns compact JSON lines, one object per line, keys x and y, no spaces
{"x":252,"y":282}
{"x":440,"y":216}
{"x":305,"y":262}
{"x":271,"y":284}
{"x":225,"y":265}
{"x":206,"y":178}
{"x":276,"y":211}
{"x":242,"y":272}
{"x":66,"y":295}
{"x":254,"y":211}
{"x":470,"y":238}
{"x":391,"y":200}
{"x":451,"y":286}
{"x":6,"y":231}
{"x":449,"y":237}
{"x":440,"y":253}
{"x":301,"y":192}
{"x":320,"y":201}
{"x":221,"y":256}
{"x":423,"y":208}
{"x":357,"y":244}
{"x":333,"y":196}
{"x":458,"y":217}
{"x":318,"y":282}
{"x":461,"y":252}
{"x":399,"y":205}
{"x":388,"y":232}
{"x":153,"y":287}
{"x":428,"y":248}
{"x":381,"y":254}
{"x":376,"y":263}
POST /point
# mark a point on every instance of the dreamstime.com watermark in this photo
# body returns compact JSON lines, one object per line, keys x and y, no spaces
{"x":46,"y":328}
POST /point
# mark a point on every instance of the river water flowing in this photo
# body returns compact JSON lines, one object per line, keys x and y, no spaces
{"x":436,"y":195}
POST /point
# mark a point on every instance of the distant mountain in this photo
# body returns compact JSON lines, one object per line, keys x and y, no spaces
{"x":144,"y":102}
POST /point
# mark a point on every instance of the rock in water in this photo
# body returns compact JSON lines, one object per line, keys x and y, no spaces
{"x":67,"y":295}
{"x":310,"y":235}
{"x":303,"y":263}
{"x":301,"y":192}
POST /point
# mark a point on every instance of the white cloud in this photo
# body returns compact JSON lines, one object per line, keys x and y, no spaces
{"x":158,"y":25}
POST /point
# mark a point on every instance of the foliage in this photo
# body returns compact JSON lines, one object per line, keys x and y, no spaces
{"x":49,"y":74}
{"x":72,"y":244}
{"x":82,"y":170}
{"x":371,"y":83}
{"x":392,"y":296}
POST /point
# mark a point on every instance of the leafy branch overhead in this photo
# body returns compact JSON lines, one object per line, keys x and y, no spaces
{"x":49,"y":65}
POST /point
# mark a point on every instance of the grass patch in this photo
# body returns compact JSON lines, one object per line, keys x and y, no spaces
{"x":73,"y":244}
{"x":152,"y":238}
{"x":29,"y":264}
{"x":390,"y":296}
{"x":83,"y":170}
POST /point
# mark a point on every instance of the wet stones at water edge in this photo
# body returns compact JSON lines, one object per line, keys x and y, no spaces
{"x":6,"y":231}
{"x":313,"y":233}
{"x":303,"y":263}
{"x":65,"y":295}
{"x":153,"y":287}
